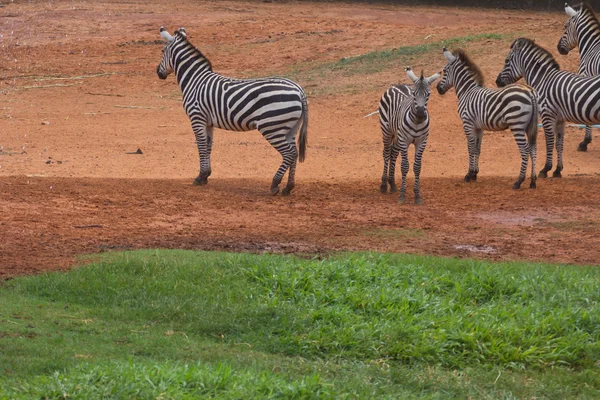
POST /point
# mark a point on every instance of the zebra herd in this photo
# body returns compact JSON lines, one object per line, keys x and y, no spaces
{"x":277,"y":107}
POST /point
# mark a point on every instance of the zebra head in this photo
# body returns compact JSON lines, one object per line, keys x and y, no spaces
{"x":421,"y":90}
{"x":448,"y":79}
{"x":568,"y":41}
{"x":513,"y":70}
{"x":166,"y":63}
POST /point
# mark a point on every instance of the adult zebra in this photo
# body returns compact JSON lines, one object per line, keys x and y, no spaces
{"x":277,"y":107}
{"x":483,"y":109}
{"x":404,"y":120}
{"x":582,"y":29}
{"x":563,"y":95}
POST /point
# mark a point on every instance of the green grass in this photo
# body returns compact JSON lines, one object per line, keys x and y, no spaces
{"x":177,"y":324}
{"x":332,"y":77}
{"x":380,"y":60}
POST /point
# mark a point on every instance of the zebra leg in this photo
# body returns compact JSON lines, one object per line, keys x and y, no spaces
{"x":202,"y":141}
{"x":549,"y":127}
{"x":292,"y":172}
{"x":525,"y":151}
{"x":532,"y":154}
{"x":586,"y":140}
{"x":386,"y":162}
{"x":392,"y":174}
{"x":289,"y":155}
{"x":472,"y":147}
{"x":560,"y":140}
{"x":404,"y":168}
{"x":419,"y":148}
{"x":478,"y":140}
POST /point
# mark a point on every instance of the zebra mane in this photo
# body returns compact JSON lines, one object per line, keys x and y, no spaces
{"x":526,"y":42}
{"x":471,"y":66}
{"x":586,"y":8}
{"x":183,"y":38}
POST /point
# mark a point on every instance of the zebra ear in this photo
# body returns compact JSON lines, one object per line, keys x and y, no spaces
{"x":411,"y":74}
{"x":570,"y":12}
{"x":449,"y":56}
{"x":433,"y":77}
{"x":165,"y":35}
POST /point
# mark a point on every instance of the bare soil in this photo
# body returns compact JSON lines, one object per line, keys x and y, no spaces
{"x":79,"y":94}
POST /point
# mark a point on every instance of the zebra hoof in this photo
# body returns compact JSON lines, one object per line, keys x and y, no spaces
{"x":556,"y":174}
{"x":468,"y":177}
{"x":543,"y":174}
{"x":393,"y":188}
{"x":401,"y":200}
{"x":274,"y":191}
{"x":286,"y":191}
{"x":582,"y":146}
{"x":383,"y":188}
{"x":418,"y":201}
{"x":517,"y":185}
{"x":200,"y":182}
{"x":532,"y":185}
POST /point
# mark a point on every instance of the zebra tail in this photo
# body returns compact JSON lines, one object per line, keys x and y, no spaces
{"x":303,"y":137}
{"x":532,"y":128}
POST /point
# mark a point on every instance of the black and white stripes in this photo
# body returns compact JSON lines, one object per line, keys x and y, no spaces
{"x":582,"y":30}
{"x":404,"y":120}
{"x":277,"y":107}
{"x":562,"y":95}
{"x":483,"y":109}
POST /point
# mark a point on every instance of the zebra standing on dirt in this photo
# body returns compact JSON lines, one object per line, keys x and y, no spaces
{"x":563,"y":95}
{"x":483,"y":109}
{"x":277,"y":107}
{"x":404,"y":120}
{"x":582,"y":29}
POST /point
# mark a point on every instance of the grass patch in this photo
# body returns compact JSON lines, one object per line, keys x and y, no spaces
{"x":194,"y":324}
{"x":380,"y":60}
{"x":323,"y":78}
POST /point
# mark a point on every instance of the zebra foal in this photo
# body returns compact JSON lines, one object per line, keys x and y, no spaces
{"x":483,"y":109}
{"x":404,"y":119}
{"x":277,"y":107}
{"x":582,"y":30}
{"x":563,"y":95}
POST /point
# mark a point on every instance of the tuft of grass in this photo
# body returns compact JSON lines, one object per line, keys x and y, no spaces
{"x":380,"y":60}
{"x":176,"y":323}
{"x":171,"y":380}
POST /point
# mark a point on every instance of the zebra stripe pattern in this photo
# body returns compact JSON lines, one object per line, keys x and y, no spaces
{"x":483,"y":109}
{"x":404,"y":120}
{"x":563,"y":96}
{"x":277,"y":107}
{"x":582,"y":30}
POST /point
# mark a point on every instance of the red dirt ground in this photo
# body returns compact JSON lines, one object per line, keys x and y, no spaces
{"x":78,"y":91}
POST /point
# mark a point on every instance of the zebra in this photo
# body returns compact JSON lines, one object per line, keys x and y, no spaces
{"x":483,"y":109}
{"x":563,"y":95}
{"x":277,"y":107}
{"x":582,"y":29}
{"x":404,"y":119}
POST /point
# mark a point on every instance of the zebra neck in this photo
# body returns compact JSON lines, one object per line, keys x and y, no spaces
{"x":588,"y":35}
{"x":464,"y":84}
{"x":189,"y":64}
{"x":536,"y":67}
